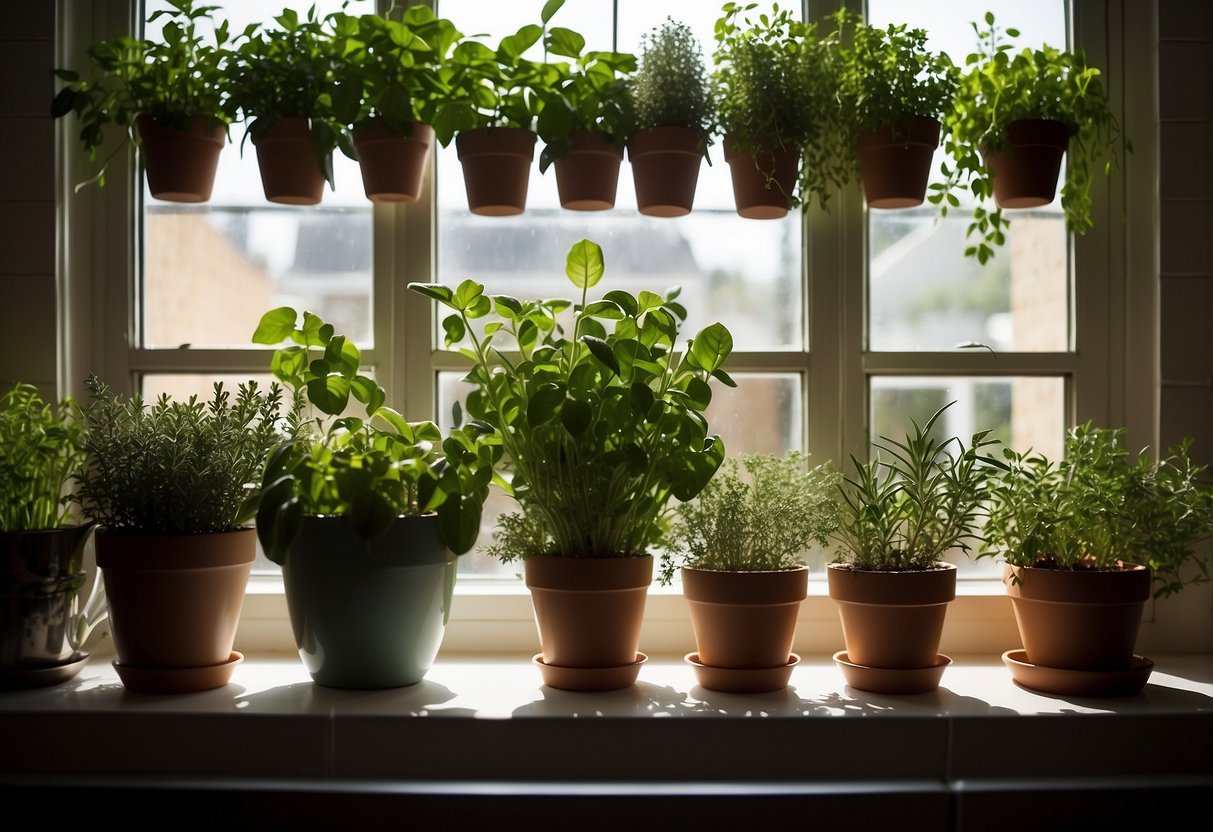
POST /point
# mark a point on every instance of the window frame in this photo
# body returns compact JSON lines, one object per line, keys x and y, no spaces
{"x":1114,"y":330}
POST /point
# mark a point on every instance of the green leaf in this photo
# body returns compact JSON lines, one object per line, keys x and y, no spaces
{"x":625,"y":301}
{"x":584,"y":265}
{"x":437,"y":291}
{"x":543,"y":404}
{"x":700,"y":393}
{"x":711,"y":347}
{"x":275,"y":326}
{"x":576,"y":416}
{"x":459,"y":522}
{"x":603,"y":309}
{"x":566,"y":42}
{"x":330,"y":394}
{"x":549,"y":9}
{"x":600,"y":350}
{"x":367,"y":391}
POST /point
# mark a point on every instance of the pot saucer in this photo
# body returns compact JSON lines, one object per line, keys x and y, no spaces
{"x":177,"y":679}
{"x":589,"y":678}
{"x":892,"y":680}
{"x":742,"y":680}
{"x":44,"y":676}
{"x":1067,"y":682}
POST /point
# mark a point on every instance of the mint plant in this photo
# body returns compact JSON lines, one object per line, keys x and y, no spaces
{"x":41,"y":451}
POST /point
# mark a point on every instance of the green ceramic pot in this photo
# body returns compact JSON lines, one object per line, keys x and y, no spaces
{"x":369,"y":614}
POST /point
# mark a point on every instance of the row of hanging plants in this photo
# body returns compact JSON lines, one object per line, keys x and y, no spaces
{"x":800,"y":109}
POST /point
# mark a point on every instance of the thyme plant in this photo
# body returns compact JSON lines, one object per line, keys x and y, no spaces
{"x":671,"y":87}
{"x":41,"y":450}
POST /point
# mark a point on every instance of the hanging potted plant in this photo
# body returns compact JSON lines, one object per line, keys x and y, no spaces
{"x":739,"y":548}
{"x":366,"y":516}
{"x":904,"y":511}
{"x":170,"y":486}
{"x":892,"y":94}
{"x":675,"y":115}
{"x":599,"y":431}
{"x":1085,"y":541}
{"x":393,"y":68}
{"x":44,"y":621}
{"x":1015,"y":116}
{"x":283,"y":83}
{"x":774,"y":84}
{"x":167,"y":96}
{"x":585,"y":121}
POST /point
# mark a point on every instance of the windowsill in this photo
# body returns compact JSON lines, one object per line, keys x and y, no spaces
{"x":489,"y":724}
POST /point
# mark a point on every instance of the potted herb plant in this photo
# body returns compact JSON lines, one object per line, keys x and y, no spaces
{"x":171,"y":486}
{"x":43,"y":624}
{"x":168,"y":96}
{"x":739,"y":547}
{"x":283,"y":83}
{"x":1085,"y":541}
{"x":774,"y":85}
{"x":892,"y":95}
{"x":917,"y":500}
{"x":585,"y":121}
{"x":675,"y":115}
{"x":600,"y":431}
{"x":1015,"y":116}
{"x":366,"y":516}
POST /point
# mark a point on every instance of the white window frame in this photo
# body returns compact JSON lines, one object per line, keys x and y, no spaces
{"x":1112,"y":374}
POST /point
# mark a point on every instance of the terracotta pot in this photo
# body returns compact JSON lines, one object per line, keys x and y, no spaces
{"x":369,"y":614}
{"x":665,"y":169}
{"x":744,"y":619}
{"x":290,"y":170}
{"x":1079,"y":620}
{"x":589,"y":611}
{"x":892,"y":620}
{"x":764,"y":179}
{"x":175,"y":599}
{"x":496,"y":169}
{"x":1025,"y":175}
{"x":393,"y":163}
{"x":895,"y":162}
{"x":180,"y":164}
{"x":587,"y":177}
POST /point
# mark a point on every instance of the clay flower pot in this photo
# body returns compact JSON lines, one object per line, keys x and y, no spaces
{"x":764,"y":178}
{"x":1025,"y":175}
{"x":180,"y":164}
{"x":1079,"y":619}
{"x":290,"y":171}
{"x":589,"y":612}
{"x":174,"y":604}
{"x":587,"y":176}
{"x":393,"y":163}
{"x":895,"y":162}
{"x":665,"y":169}
{"x":496,"y":169}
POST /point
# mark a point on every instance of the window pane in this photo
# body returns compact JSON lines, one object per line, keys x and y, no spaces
{"x":924,"y":294}
{"x":211,"y":270}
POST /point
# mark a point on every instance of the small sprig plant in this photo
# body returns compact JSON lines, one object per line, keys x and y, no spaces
{"x":1001,"y":85}
{"x":172,"y":79}
{"x":759,"y":513}
{"x":600,"y":430}
{"x":368,"y":470}
{"x":176,"y":467}
{"x":917,"y":500}
{"x":671,"y":86}
{"x":41,"y":451}
{"x":1100,"y":506}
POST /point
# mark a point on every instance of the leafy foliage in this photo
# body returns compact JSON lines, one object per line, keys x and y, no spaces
{"x":172,"y":80}
{"x":1099,"y":505}
{"x":1001,"y":86}
{"x":761,"y":513}
{"x":600,"y":430}
{"x":176,"y":467}
{"x":671,"y":87}
{"x":916,"y":500}
{"x":41,"y":450}
{"x":370,"y":470}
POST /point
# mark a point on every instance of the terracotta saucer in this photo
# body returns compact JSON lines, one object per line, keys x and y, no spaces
{"x":40,"y":677}
{"x":589,"y":678}
{"x":1068,"y":682}
{"x":892,"y":680}
{"x":742,"y":680}
{"x":177,"y":679}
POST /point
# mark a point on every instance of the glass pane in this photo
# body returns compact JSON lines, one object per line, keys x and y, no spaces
{"x":762,"y":415}
{"x":924,"y":294}
{"x":1024,"y":412}
{"x":211,"y":270}
{"x":746,"y":273}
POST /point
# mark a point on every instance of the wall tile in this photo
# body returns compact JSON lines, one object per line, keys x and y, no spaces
{"x":1186,"y":237}
{"x":1187,"y":309}
{"x":29,"y":20}
{"x":1186,"y":164}
{"x":1185,"y":20}
{"x":1185,"y":90}
{"x":27,"y":67}
{"x":27,"y":159}
{"x":27,"y":238}
{"x":1188,"y":411}
{"x":29,"y":307}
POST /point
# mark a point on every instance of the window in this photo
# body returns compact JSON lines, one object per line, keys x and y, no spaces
{"x":869,"y":307}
